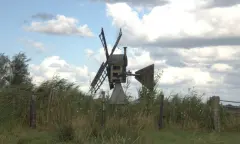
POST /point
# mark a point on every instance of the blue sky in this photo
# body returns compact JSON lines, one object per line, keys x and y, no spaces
{"x":195,"y":43}
{"x":71,"y":48}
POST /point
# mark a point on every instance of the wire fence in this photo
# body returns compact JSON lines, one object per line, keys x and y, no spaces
{"x":232,"y":109}
{"x":230,"y":101}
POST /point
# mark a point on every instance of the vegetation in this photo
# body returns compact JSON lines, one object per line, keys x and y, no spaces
{"x":67,"y":115}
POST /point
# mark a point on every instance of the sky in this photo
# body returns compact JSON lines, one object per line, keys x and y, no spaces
{"x":195,"y":43}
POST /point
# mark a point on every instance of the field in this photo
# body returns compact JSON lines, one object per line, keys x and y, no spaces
{"x":64,"y":114}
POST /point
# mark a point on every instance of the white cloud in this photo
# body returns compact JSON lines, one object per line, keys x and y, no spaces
{"x":210,"y":54}
{"x":196,"y":76}
{"x":138,"y":61}
{"x":61,"y":25}
{"x":54,"y":65}
{"x":177,"y":24}
{"x":221,"y":67}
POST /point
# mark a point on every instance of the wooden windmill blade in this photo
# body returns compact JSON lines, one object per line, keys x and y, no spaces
{"x":104,"y":43}
{"x":117,"y":41}
{"x":99,"y":78}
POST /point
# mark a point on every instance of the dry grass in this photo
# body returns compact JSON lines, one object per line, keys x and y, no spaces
{"x":65,"y":115}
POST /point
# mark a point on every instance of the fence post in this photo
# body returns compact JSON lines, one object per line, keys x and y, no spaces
{"x":160,"y":123}
{"x":103,"y":109}
{"x":33,"y":112}
{"x":216,"y":115}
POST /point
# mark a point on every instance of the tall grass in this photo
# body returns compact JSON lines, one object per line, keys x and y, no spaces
{"x":61,"y":107}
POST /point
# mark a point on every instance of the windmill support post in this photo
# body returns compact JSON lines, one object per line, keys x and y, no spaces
{"x":160,"y":122}
{"x":32,"y":112}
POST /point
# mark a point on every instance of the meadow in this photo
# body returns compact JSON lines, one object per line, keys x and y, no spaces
{"x":65,"y":115}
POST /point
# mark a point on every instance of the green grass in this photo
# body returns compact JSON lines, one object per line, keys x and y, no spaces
{"x":191,"y":137}
{"x":165,"y":136}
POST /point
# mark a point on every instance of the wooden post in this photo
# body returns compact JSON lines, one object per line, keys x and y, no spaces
{"x":215,"y":111}
{"x":103,"y":109}
{"x":160,"y":122}
{"x":33,"y":112}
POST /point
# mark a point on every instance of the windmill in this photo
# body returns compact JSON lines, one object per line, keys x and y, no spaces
{"x":115,"y":69}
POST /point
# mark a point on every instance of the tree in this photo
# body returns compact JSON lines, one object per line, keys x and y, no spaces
{"x":5,"y":70}
{"x":20,"y":73}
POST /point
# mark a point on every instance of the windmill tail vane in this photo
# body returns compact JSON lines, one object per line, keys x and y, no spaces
{"x":115,"y":69}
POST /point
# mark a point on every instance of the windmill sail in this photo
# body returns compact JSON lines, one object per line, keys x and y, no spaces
{"x":99,"y":78}
{"x":104,"y":43}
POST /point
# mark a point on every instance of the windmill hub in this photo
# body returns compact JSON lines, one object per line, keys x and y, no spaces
{"x":115,"y":69}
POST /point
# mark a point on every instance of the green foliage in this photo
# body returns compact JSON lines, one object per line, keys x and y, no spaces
{"x":19,"y":66}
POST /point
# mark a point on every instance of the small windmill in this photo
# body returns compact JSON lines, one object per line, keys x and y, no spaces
{"x":115,"y":69}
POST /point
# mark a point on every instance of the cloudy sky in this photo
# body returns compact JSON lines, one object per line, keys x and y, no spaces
{"x":195,"y":42}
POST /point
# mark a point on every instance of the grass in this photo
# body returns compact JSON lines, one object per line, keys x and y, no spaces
{"x":190,"y":137}
{"x":166,"y":136}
